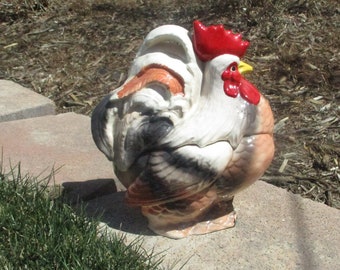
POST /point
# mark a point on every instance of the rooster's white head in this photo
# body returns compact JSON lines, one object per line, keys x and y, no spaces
{"x":222,"y":50}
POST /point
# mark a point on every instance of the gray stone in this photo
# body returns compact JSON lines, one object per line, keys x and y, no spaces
{"x":61,"y":142}
{"x":274,"y":230}
{"x":17,"y":102}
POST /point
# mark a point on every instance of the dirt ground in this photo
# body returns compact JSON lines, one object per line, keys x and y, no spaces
{"x":75,"y":51}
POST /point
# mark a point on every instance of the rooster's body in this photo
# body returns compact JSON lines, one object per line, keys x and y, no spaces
{"x":185,"y":133}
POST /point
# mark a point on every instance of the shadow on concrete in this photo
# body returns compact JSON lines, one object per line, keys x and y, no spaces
{"x":104,"y":202}
{"x":303,"y":235}
{"x":75,"y":192}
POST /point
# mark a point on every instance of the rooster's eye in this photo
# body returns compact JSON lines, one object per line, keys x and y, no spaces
{"x":233,"y":68}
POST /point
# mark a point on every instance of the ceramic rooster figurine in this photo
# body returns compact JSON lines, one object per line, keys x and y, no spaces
{"x":186,"y":131}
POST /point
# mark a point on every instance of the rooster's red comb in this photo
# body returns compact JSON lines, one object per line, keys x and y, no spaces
{"x":214,"y":40}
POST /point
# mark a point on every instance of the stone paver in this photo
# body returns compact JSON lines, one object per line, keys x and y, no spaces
{"x":62,"y":142}
{"x":17,"y":102}
{"x":274,"y":230}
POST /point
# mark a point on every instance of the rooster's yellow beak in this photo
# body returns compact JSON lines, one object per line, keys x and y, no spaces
{"x":244,"y":67}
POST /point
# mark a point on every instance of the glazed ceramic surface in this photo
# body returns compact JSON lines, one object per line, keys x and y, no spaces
{"x":186,"y":131}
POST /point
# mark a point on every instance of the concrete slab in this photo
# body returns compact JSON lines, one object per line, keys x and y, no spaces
{"x":62,"y":142}
{"x":274,"y":230}
{"x":17,"y":102}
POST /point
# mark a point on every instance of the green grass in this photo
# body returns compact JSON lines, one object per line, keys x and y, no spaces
{"x":37,"y":232}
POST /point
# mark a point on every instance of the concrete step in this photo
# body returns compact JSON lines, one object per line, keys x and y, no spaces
{"x":17,"y":102}
{"x":62,"y":143}
{"x":275,"y":229}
